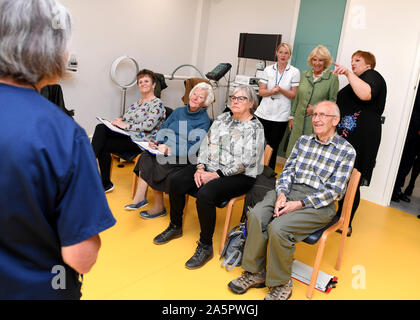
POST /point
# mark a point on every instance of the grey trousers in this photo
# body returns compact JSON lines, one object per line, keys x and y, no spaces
{"x":271,"y":241}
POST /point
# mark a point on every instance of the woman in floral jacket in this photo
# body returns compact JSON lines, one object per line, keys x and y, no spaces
{"x":142,"y":121}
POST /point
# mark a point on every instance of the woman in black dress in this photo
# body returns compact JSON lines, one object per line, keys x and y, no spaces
{"x":361,"y":104}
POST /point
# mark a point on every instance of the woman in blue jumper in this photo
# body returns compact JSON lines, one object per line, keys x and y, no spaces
{"x":179,"y":139}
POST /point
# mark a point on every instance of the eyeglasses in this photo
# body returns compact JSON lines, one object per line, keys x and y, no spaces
{"x":322,"y":116}
{"x":239,"y":99}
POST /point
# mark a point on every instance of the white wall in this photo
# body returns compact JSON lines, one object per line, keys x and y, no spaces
{"x":390,"y":30}
{"x":159,"y":34}
{"x":228,"y":18}
{"x":163,"y":34}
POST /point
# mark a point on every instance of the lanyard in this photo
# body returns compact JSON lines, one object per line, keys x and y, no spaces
{"x":281,"y":76}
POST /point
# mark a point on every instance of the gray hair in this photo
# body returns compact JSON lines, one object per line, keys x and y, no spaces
{"x":206,"y":87}
{"x":34,"y":36}
{"x":249,"y":92}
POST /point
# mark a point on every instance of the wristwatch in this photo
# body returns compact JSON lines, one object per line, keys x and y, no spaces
{"x":303,"y":203}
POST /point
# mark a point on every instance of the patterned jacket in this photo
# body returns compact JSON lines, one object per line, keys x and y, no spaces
{"x":233,"y":147}
{"x":144,"y":119}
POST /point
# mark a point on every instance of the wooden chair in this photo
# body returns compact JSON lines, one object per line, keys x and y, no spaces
{"x":127,"y":156}
{"x":341,"y":223}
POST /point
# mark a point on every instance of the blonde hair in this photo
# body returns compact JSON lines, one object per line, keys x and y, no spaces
{"x":323,"y":53}
{"x":285,"y":45}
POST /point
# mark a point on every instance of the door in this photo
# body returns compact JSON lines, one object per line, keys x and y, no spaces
{"x":319,"y":22}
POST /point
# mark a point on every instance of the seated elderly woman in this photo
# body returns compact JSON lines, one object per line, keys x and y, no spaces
{"x":228,"y":163}
{"x":142,"y":121}
{"x":179,"y":138}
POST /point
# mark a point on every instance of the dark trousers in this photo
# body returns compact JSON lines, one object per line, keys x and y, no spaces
{"x":415,"y":171}
{"x":408,"y":158}
{"x":273,"y":132}
{"x":208,"y":196}
{"x":105,"y":142}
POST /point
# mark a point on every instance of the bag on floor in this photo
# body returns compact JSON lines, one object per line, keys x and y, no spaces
{"x":264,"y":182}
{"x":234,"y":247}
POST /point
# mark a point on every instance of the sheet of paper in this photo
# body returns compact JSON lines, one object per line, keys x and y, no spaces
{"x":111,"y":126}
{"x":145,"y":146}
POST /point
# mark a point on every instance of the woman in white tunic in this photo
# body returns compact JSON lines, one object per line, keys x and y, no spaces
{"x":278,"y":88}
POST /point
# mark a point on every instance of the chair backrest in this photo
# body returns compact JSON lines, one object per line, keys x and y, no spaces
{"x":54,"y":93}
{"x":168,"y":112}
{"x":349,"y":197}
{"x":189,"y":84}
{"x":345,"y":212}
{"x":268,"y":151}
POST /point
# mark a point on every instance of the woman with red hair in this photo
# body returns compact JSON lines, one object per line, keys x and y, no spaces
{"x":361,"y":104}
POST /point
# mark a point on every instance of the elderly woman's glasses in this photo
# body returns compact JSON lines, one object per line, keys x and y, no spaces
{"x":322,"y":116}
{"x":239,"y":99}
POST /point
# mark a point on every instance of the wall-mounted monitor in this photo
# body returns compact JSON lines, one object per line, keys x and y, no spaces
{"x":258,"y":46}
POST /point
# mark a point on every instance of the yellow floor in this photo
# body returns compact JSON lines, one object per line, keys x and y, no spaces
{"x":381,"y":259}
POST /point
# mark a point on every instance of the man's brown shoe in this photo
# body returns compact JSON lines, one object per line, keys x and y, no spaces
{"x":247,"y":280}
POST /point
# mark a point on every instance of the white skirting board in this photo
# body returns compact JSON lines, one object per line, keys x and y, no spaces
{"x":303,"y":273}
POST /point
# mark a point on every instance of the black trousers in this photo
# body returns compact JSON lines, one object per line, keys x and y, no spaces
{"x":105,"y":142}
{"x":208,"y":196}
{"x":408,"y":158}
{"x":273,"y":132}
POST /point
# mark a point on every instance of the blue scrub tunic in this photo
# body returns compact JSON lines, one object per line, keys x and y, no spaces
{"x":50,"y":196}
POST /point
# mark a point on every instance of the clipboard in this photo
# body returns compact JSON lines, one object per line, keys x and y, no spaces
{"x":112,"y":127}
{"x":145,"y":146}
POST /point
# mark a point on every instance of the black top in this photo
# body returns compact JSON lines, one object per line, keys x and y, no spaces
{"x":55,"y":95}
{"x":361,"y":121}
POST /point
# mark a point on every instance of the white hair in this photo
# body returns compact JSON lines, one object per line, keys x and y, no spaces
{"x":336,"y":109}
{"x":206,"y":87}
{"x":34,"y":36}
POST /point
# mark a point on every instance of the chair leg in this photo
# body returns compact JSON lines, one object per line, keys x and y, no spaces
{"x":134,"y":185}
{"x":315,"y":271}
{"x":227,"y":223}
{"x":110,"y":168}
{"x":341,"y":250}
{"x":135,"y":179}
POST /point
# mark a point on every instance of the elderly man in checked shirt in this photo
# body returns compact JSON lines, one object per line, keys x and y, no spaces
{"x":314,"y":176}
